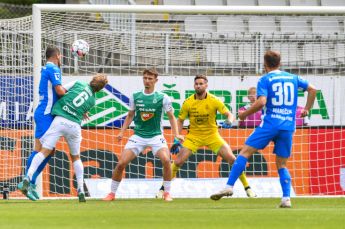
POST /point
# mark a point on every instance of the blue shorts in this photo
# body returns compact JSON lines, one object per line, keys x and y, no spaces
{"x":42,"y":124}
{"x":282,"y":139}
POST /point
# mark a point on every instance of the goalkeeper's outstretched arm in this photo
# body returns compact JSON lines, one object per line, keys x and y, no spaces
{"x":230,"y":117}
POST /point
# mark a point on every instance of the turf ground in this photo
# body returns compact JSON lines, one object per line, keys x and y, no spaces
{"x":181,"y":213}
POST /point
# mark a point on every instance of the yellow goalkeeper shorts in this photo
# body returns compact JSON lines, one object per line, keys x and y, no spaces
{"x":213,"y":142}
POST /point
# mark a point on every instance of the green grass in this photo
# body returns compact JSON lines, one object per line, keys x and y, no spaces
{"x":181,"y":213}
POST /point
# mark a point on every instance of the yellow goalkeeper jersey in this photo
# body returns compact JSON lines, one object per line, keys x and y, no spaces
{"x":202,"y":114}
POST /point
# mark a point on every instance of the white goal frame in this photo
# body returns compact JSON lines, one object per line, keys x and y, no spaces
{"x":263,"y":10}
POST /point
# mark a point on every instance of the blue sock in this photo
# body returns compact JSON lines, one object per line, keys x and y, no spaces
{"x":40,"y":169}
{"x":237,"y":168}
{"x":33,"y":153}
{"x":285,"y":181}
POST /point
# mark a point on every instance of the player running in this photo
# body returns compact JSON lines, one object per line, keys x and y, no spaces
{"x":277,"y":93}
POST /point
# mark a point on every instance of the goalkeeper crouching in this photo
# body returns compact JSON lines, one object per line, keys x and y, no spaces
{"x":201,"y":109}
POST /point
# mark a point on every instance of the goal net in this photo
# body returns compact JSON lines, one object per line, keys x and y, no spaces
{"x":226,"y":44}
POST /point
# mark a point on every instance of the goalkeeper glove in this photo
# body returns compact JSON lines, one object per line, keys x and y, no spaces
{"x":176,"y":146}
{"x":226,"y":124}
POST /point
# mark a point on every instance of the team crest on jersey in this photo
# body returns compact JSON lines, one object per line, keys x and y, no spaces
{"x":146,"y":116}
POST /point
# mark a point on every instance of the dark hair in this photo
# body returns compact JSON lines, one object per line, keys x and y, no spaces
{"x":98,"y":82}
{"x":272,"y":59}
{"x":151,"y":71}
{"x":51,"y":51}
{"x":200,"y":76}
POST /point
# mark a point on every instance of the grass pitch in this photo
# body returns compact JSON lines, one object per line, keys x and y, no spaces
{"x":181,"y":213}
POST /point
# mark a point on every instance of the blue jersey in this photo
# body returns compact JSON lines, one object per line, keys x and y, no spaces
{"x":50,"y":77}
{"x":281,"y":90}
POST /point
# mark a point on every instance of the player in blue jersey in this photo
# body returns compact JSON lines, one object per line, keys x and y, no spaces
{"x":277,"y":93}
{"x":50,"y":89}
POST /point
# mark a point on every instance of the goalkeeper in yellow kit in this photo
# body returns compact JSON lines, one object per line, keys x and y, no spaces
{"x":201,"y":109}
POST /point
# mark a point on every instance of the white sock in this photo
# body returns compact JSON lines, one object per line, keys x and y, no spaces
{"x":285,"y":198}
{"x":228,"y":186}
{"x":79,"y":173}
{"x":114,"y":186}
{"x":167,"y":185}
{"x":36,"y":161}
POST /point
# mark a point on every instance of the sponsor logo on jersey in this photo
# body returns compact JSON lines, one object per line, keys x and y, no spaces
{"x":145,"y":116}
{"x":66,"y":108}
{"x":147,"y":109}
{"x":201,"y":119}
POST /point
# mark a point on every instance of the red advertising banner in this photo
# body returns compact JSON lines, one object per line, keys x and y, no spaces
{"x":327,"y":158}
{"x":100,"y":152}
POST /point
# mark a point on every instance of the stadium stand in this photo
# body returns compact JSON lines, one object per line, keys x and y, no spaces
{"x":207,"y":2}
{"x":332,"y":2}
{"x":200,"y":30}
{"x":318,"y":54}
{"x":304,"y":2}
{"x":230,"y":25}
{"x":325,"y":25}
{"x":340,"y":53}
{"x":246,"y":54}
{"x":218,"y":54}
{"x":144,"y":2}
{"x":228,"y":41}
{"x":177,"y":2}
{"x":294,"y":25}
{"x":263,"y":25}
{"x":272,"y":2}
{"x":242,"y":3}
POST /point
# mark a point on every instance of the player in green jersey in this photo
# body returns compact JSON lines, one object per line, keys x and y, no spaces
{"x":69,"y":112}
{"x":147,"y":108}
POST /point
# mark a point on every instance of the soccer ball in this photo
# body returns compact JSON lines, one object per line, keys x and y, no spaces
{"x":80,"y":48}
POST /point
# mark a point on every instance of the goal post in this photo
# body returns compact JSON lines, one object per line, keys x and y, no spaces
{"x":226,"y":43}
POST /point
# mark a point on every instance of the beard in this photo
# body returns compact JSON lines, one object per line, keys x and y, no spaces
{"x":199,"y":92}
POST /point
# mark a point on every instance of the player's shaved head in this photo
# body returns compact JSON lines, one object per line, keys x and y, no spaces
{"x":272,"y":59}
{"x":98,"y":82}
{"x":52,"y":51}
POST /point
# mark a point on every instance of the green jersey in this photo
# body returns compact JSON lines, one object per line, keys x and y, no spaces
{"x":149,"y":110}
{"x":75,"y":103}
